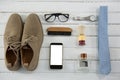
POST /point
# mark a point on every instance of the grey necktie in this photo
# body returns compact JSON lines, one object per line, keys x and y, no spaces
{"x":103,"y":46}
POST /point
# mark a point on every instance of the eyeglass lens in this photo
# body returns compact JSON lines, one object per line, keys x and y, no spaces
{"x":50,"y":18}
{"x":63,"y":18}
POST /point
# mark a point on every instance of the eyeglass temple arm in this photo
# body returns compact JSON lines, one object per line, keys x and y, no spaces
{"x":66,"y":15}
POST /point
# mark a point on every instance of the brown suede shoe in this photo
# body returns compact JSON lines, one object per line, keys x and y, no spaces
{"x":12,"y":38}
{"x":31,"y":42}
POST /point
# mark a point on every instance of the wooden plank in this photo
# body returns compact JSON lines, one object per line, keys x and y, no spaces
{"x":51,"y":76}
{"x":73,"y":53}
{"x":51,"y":6}
{"x":43,"y":67}
{"x":69,"y":66}
{"x":90,"y":30}
{"x":91,"y":42}
{"x":113,"y":17}
{"x":58,"y":76}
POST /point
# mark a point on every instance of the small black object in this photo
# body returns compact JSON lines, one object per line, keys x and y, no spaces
{"x":56,"y":53}
{"x":59,"y":33}
{"x":56,"y":66}
{"x":61,"y":17}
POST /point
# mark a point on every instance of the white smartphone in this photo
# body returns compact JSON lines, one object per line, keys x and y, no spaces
{"x":56,"y":50}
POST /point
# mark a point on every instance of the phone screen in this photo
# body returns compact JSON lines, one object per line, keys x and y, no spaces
{"x":56,"y":54}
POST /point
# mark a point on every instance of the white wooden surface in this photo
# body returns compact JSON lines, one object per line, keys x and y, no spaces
{"x":71,"y":48}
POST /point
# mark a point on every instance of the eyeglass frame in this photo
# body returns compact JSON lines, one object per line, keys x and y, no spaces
{"x":56,"y":15}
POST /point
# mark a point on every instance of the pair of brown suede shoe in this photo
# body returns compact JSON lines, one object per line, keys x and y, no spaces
{"x":22,"y":42}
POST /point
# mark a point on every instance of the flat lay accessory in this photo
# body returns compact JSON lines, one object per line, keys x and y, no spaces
{"x":91,"y":18}
{"x":81,"y":37}
{"x":103,"y":43}
{"x":12,"y":38}
{"x":32,"y":40}
{"x":52,"y":17}
{"x":59,"y":31}
{"x":83,"y":57}
{"x":83,"y":63}
{"x":56,"y":54}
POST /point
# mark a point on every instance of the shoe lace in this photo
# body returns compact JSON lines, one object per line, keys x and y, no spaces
{"x":13,"y":45}
{"x":29,"y":39}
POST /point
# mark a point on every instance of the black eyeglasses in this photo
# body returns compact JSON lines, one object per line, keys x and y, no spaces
{"x":52,"y":17}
